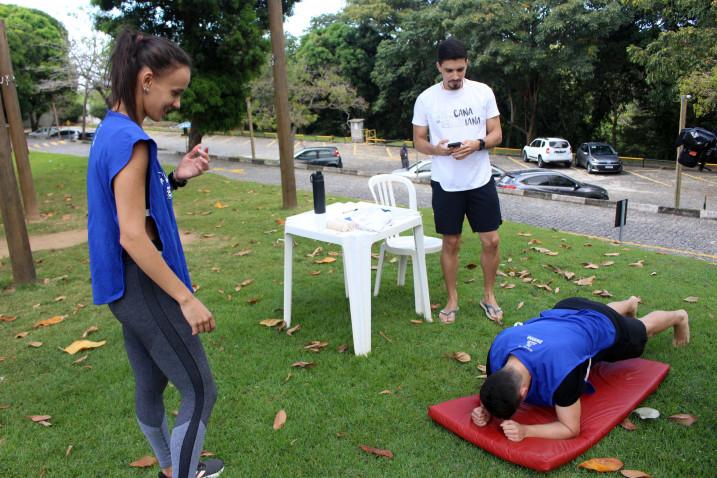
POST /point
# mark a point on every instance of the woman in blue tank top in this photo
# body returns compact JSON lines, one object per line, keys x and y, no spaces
{"x":136,"y":259}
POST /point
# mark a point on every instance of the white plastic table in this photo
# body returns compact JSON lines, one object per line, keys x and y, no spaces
{"x":356,"y":245}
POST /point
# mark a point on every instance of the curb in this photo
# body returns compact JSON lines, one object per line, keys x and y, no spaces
{"x":608,"y":204}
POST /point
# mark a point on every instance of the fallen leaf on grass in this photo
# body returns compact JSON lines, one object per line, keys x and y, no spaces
{"x":34,"y":344}
{"x":385,"y":392}
{"x":206,"y":453}
{"x":640,"y":263}
{"x":435,"y":306}
{"x":602,"y":293}
{"x":520,"y":305}
{"x":683,"y":419}
{"x":295,"y":328}
{"x":303,"y":364}
{"x":7,"y":318}
{"x":326,"y":260}
{"x":342,"y":348}
{"x":545,"y":251}
{"x":590,"y":265}
{"x":377,"y":451}
{"x":585,"y":281}
{"x":611,"y":254}
{"x":21,"y":335}
{"x":316,"y":346}
{"x":634,"y":474}
{"x":317,"y":251}
{"x":544,"y":287}
{"x":246,"y":282}
{"x":534,"y":241}
{"x":482,"y":368}
{"x":280,"y":221}
{"x":144,"y":462}
{"x":628,"y":425}
{"x":270,"y":322}
{"x":253,"y":300}
{"x":386,"y":337}
{"x":68,"y":451}
{"x":602,"y":464}
{"x":691,"y":299}
{"x":279,"y":420}
{"x":219,"y":205}
{"x":47,"y":322}
{"x":507,"y":285}
{"x":646,"y":413}
{"x":4,"y":406}
{"x":242,"y":253}
{"x":525,"y":234}
{"x":607,"y":263}
{"x":471,"y":266}
{"x":461,"y":357}
{"x":81,"y":359}
{"x":416,"y":321}
{"x":314,"y":273}
{"x":78,"y":345}
{"x":40,"y":418}
{"x":90,"y":330}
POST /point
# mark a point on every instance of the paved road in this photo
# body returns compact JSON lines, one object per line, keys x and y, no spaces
{"x":666,"y":232}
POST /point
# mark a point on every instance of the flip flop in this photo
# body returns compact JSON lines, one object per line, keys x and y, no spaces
{"x":492,"y":312}
{"x":450,"y":316}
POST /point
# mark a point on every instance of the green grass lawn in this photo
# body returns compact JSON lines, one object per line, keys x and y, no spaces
{"x":337,"y":405}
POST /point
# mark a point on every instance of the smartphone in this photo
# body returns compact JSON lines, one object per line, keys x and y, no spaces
{"x":457,"y":144}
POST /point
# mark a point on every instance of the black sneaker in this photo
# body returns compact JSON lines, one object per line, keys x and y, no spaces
{"x":210,"y":468}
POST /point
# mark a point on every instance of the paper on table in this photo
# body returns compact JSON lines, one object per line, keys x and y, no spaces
{"x":373,"y":218}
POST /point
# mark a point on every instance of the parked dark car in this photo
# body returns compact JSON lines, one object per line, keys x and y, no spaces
{"x":598,"y":157}
{"x":320,"y":156}
{"x":548,"y":181}
{"x":87,"y":136}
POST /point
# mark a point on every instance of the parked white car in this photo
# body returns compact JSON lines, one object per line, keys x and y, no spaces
{"x":422,"y":170}
{"x":548,"y":150}
{"x":43,"y":132}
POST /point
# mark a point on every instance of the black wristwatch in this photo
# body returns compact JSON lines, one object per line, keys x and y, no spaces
{"x":176,"y":183}
{"x":482,"y":145}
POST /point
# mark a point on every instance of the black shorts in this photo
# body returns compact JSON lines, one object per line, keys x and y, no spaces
{"x":630,"y":333}
{"x":480,"y":205}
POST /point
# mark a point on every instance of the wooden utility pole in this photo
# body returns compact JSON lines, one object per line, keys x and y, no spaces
{"x":18,"y":243}
{"x":281,"y":98}
{"x":251,"y":128}
{"x":17,"y":133}
{"x":678,"y":166}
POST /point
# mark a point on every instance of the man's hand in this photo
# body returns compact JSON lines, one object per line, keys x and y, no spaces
{"x":513,"y":431}
{"x":193,"y":163}
{"x":440,"y":148}
{"x":467,"y":147}
{"x":480,"y":416}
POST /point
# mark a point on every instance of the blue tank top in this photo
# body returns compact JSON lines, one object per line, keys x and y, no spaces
{"x":551,"y":346}
{"x":110,"y":152}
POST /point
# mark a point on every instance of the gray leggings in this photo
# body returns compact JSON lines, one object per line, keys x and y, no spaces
{"x":161,"y":348}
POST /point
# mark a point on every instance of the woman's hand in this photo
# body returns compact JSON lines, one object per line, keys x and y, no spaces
{"x":193,"y":163}
{"x":198,"y":316}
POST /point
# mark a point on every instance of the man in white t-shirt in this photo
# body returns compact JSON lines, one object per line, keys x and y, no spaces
{"x":464,"y":122}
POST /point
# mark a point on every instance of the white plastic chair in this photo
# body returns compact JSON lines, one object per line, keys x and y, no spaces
{"x":381,"y":187}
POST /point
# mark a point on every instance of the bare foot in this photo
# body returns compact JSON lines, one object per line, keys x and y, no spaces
{"x":632,"y":303}
{"x":681,"y":330}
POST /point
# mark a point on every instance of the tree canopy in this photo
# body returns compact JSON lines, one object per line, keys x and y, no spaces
{"x":226,"y":40}
{"x":40,"y":57}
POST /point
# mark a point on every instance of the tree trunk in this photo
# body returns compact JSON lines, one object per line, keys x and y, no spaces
{"x":84,"y":111}
{"x":195,"y":137}
{"x":532,"y":94}
{"x":614,"y":130}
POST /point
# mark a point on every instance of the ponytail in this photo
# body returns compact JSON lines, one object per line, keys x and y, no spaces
{"x":131,"y":52}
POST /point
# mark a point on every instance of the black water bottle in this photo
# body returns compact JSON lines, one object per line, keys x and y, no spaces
{"x":317,"y":182}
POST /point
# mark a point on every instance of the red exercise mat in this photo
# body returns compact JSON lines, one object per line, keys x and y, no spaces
{"x":619,"y":386}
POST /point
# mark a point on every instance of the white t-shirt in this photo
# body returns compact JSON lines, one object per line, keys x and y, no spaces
{"x":457,"y":115}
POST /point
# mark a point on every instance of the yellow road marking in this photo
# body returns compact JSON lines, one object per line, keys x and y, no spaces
{"x":388,"y":151}
{"x":649,"y":179}
{"x":519,"y":163}
{"x":699,"y":179}
{"x":649,"y":246}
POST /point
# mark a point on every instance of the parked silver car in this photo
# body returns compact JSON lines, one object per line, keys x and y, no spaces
{"x":422,"y":170}
{"x":598,"y":157}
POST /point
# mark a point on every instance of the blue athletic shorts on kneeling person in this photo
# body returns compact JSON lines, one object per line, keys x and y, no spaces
{"x":480,"y":205}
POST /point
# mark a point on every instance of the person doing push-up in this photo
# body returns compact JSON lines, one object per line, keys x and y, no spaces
{"x":546,"y":360}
